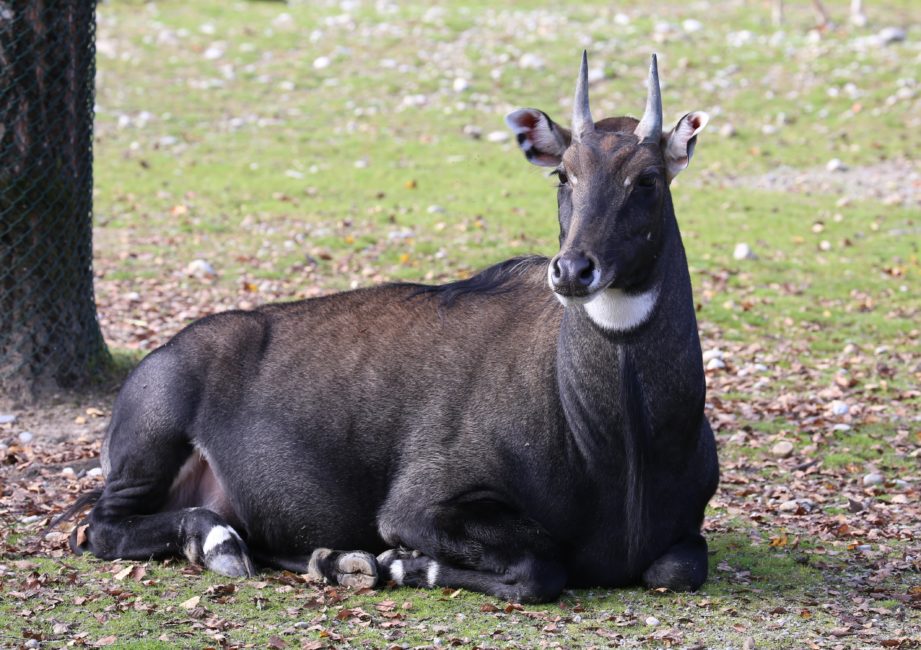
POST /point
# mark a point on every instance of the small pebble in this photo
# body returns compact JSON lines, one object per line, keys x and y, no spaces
{"x":889,"y":35}
{"x":728,"y":131}
{"x":837,"y":407}
{"x":200,"y":269}
{"x":96,"y":471}
{"x":782,"y":449}
{"x":460,"y":85}
{"x":473,"y":131}
{"x":743,"y":251}
{"x":7,"y":418}
{"x":321,"y":62}
{"x":738,"y":438}
{"x":652,"y":621}
{"x":873,"y":479}
{"x":789,"y":506}
{"x":835,"y":165}
{"x":435,"y":209}
{"x":712,"y":353}
{"x":715,"y":364}
{"x":25,"y":437}
{"x":497,"y":136}
{"x":531,"y":61}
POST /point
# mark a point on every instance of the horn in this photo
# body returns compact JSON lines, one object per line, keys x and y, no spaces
{"x":582,"y":122}
{"x":650,"y":127}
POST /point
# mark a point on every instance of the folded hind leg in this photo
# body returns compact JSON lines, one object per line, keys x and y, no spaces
{"x":202,"y":536}
{"x":137,"y":516}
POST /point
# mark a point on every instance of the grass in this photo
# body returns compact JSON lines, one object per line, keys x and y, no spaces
{"x":747,"y":583}
{"x":217,"y":137}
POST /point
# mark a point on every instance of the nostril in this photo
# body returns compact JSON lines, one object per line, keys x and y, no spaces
{"x":555,"y":269}
{"x":587,"y":273}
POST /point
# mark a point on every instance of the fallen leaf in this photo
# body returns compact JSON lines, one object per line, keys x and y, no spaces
{"x":191,"y":603}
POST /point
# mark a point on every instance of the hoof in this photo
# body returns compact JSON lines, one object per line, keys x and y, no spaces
{"x":355,"y":569}
{"x":226,"y":553}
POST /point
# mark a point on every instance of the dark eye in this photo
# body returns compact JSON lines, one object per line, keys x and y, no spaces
{"x":647,"y":180}
{"x":563,"y":178}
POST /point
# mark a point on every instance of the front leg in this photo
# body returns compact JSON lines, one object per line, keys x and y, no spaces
{"x":480,"y":544}
{"x":526,"y":580}
{"x":683,"y":567}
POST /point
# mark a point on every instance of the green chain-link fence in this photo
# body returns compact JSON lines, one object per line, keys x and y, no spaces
{"x":49,"y":334}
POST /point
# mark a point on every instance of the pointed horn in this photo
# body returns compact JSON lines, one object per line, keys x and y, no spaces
{"x":650,"y":127}
{"x":582,"y":122}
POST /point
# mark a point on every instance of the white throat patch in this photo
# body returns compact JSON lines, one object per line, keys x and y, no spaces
{"x":616,"y":311}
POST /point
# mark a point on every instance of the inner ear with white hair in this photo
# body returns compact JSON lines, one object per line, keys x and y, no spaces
{"x":678,"y":144}
{"x":542,"y":140}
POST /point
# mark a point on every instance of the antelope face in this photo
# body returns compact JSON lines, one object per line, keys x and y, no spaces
{"x":613,"y":194}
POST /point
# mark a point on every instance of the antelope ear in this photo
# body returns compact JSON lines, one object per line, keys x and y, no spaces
{"x":679,"y":142}
{"x":540,"y":138}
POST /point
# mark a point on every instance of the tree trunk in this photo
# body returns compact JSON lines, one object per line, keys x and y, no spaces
{"x":49,"y":334}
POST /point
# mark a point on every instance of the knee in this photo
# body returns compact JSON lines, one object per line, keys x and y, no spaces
{"x":535,"y":580}
{"x":682,"y":568}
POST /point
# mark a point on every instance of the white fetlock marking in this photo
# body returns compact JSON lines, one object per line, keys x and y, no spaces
{"x":432,"y":573}
{"x":216,"y":536}
{"x":397,"y":572}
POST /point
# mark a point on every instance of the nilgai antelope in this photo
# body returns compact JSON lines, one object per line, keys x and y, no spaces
{"x":537,"y":426}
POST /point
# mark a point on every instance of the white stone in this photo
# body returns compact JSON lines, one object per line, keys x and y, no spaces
{"x":321,"y":62}
{"x":690,"y":25}
{"x":96,"y":471}
{"x":283,"y":21}
{"x":652,"y":621}
{"x":873,"y":479}
{"x":200,"y":269}
{"x":743,"y":251}
{"x":712,"y":353}
{"x":621,"y":19}
{"x":460,"y":85}
{"x":531,"y":61}
{"x":782,"y":449}
{"x":889,"y":35}
{"x":498,"y":136}
{"x":435,"y":209}
{"x":835,"y":165}
{"x":727,"y":130}
{"x":6,"y":418}
{"x":25,"y":437}
{"x":837,"y":407}
{"x":215,"y":51}
{"x":715,"y":364}
{"x":789,"y":506}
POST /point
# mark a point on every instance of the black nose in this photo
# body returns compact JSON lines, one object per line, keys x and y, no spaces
{"x":571,"y":273}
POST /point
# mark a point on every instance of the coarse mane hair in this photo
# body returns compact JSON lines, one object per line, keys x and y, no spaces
{"x":491,"y":281}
